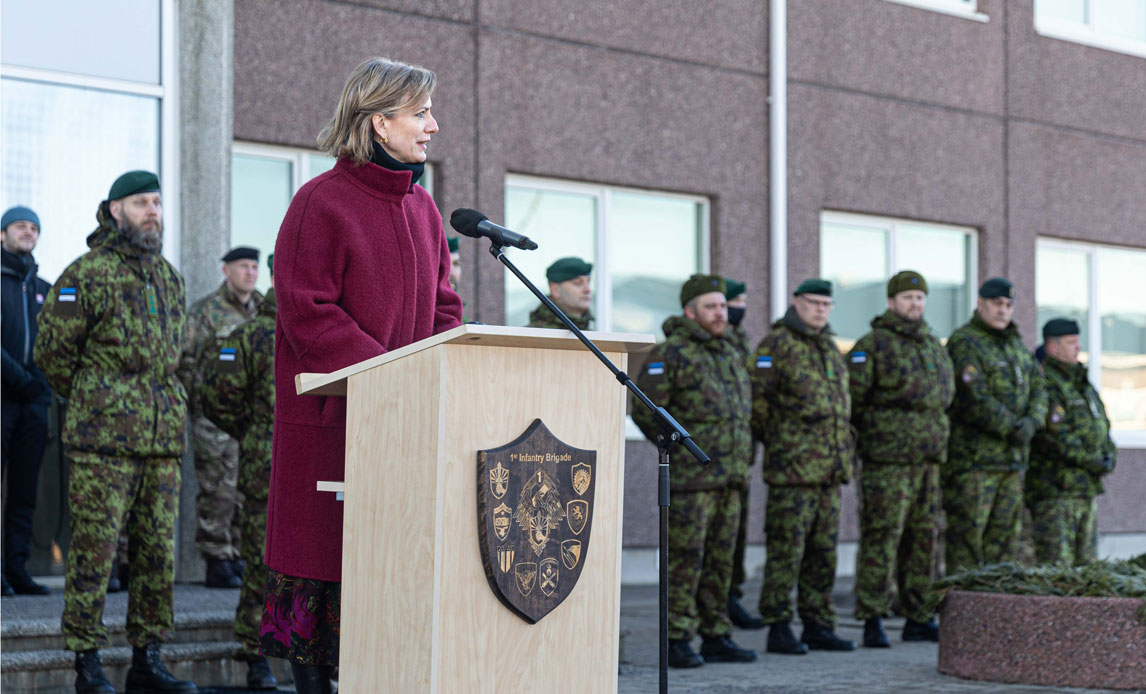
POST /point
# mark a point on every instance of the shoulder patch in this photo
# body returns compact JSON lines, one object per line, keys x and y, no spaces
{"x":970,"y":373}
{"x":764,"y":362}
{"x":67,"y":294}
{"x":859,"y":357}
{"x":227,"y":354}
{"x":656,"y":368}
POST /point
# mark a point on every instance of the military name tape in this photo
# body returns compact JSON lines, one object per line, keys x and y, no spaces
{"x":763,"y":362}
{"x":68,"y":294}
{"x":656,"y":368}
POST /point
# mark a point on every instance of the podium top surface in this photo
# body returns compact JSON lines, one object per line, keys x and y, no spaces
{"x":481,"y":335}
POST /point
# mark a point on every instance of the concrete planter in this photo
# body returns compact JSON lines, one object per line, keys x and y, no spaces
{"x":1071,"y":642}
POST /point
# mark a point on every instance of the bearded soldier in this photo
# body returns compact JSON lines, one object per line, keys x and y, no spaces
{"x":901,"y":385}
{"x":1000,"y":402}
{"x":697,"y":374}
{"x":1069,"y":456}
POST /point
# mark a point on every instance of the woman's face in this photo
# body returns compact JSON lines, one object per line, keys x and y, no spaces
{"x":406,"y":136}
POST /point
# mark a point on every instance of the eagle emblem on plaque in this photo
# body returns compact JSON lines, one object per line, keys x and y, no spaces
{"x":535,"y":515}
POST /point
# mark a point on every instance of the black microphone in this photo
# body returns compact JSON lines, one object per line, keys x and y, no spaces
{"x":476,"y":225}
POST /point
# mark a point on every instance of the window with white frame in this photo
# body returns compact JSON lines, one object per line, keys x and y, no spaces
{"x":1117,"y":25}
{"x":76,"y":115}
{"x":264,"y":178}
{"x":968,"y":9}
{"x":1102,"y":287}
{"x":859,"y":253}
{"x":643,"y":246}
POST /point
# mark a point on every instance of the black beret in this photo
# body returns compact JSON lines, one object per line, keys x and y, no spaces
{"x":700,"y":284}
{"x":452,"y":242}
{"x":133,"y":183}
{"x":733,"y":289}
{"x":1057,"y":327}
{"x":997,"y":287}
{"x":814,"y":286}
{"x":567,"y":269}
{"x":906,"y":280}
{"x":242,"y":253}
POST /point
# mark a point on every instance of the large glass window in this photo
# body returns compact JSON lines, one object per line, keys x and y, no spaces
{"x":1103,"y":288}
{"x":859,"y":253}
{"x":264,"y":178}
{"x":1118,"y":25}
{"x":76,"y":115}
{"x":643,"y":246}
{"x":959,"y":8}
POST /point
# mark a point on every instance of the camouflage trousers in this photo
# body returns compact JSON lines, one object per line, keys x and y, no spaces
{"x":702,"y":535}
{"x":218,"y":500}
{"x":254,"y":484}
{"x":801,"y":526}
{"x":899,"y":506}
{"x":738,"y":574}
{"x":107,"y":494}
{"x":1066,"y":530}
{"x":984,"y":516}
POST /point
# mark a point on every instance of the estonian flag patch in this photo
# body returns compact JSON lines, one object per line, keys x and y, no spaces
{"x":657,"y":368}
{"x":763,"y":362}
{"x":859,"y":357}
{"x":68,"y":294}
{"x":227,"y":354}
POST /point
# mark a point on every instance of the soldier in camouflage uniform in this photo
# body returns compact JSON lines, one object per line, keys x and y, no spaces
{"x":238,"y":395}
{"x":901,"y":385}
{"x":109,"y":342}
{"x":1000,"y":402}
{"x":698,"y":377}
{"x":570,"y":290}
{"x":1069,"y":456}
{"x":735,"y":293}
{"x":209,"y":322}
{"x":800,"y":410}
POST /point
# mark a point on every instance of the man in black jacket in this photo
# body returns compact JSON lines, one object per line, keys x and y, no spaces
{"x":25,"y":393}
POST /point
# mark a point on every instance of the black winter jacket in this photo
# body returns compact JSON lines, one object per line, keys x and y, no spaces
{"x":22,"y":293}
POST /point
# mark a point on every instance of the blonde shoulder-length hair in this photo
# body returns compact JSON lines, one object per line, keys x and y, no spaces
{"x":377,"y":85}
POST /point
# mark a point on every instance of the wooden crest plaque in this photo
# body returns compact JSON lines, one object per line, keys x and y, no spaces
{"x":535,"y":515}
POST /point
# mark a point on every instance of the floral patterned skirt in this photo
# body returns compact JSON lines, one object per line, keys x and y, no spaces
{"x":301,"y":620}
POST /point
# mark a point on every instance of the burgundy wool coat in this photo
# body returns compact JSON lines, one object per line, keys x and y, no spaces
{"x":361,"y":268}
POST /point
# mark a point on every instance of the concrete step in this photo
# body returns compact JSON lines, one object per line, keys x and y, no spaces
{"x":44,"y":634}
{"x":208,"y":663}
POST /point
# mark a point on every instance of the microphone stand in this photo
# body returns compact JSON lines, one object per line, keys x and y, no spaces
{"x":669,"y":432}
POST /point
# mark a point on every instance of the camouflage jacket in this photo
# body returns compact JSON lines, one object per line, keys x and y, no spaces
{"x":738,"y":337}
{"x":238,"y":383}
{"x":901,"y":386}
{"x":542,"y":317}
{"x":210,"y":320}
{"x":997,"y":383}
{"x":1077,"y":430}
{"x":109,"y":341}
{"x":701,"y":381}
{"x":801,"y":406}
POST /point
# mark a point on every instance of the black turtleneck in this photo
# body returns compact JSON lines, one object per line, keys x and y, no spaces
{"x":382,"y":158}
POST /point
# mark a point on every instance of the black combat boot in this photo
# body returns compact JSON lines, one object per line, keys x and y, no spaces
{"x":89,"y":674}
{"x":740,"y":617}
{"x":311,"y":679}
{"x":921,"y":631}
{"x":114,"y":585}
{"x":822,"y":638}
{"x":259,"y":675}
{"x":782,"y":640}
{"x":681,"y":654}
{"x":722,"y":649}
{"x":6,"y":590}
{"x":148,"y":674}
{"x":22,"y":583}
{"x":220,"y":574}
{"x":873,"y":634}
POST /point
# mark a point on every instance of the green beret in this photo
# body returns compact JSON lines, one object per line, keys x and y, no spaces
{"x":997,"y":287}
{"x":733,"y":289}
{"x":906,"y":280}
{"x":242,"y":253}
{"x":700,"y":284}
{"x":566,"y":269}
{"x":452,"y":242}
{"x":814,"y":286}
{"x":1057,"y":327}
{"x":133,"y":183}
{"x":271,"y":262}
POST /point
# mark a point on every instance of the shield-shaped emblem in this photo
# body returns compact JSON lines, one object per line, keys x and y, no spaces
{"x":577,"y":513}
{"x":582,"y":476}
{"x":532,"y":551}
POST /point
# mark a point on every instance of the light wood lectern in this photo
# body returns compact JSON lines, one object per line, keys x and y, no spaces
{"x":418,"y":614}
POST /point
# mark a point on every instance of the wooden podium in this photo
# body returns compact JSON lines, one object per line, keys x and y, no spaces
{"x":418,"y":614}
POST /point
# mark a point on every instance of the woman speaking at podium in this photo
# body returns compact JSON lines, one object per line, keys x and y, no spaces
{"x":361,"y":268}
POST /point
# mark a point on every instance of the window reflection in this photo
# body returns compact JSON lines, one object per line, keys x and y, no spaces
{"x":1123,"y":18}
{"x":854,"y":259}
{"x":261,"y":189}
{"x":1121,"y":276}
{"x":1068,"y":10}
{"x":1062,"y":289}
